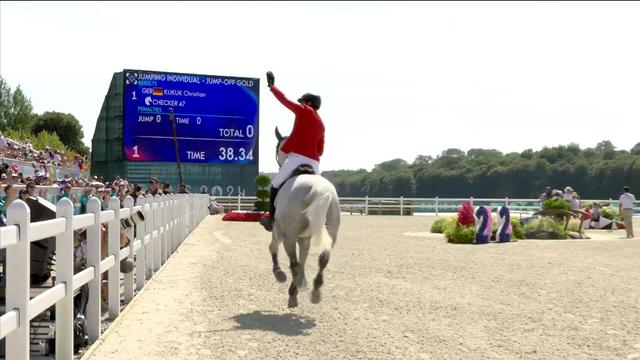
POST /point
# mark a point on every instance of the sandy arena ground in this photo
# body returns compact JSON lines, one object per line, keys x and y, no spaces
{"x":392,"y":291}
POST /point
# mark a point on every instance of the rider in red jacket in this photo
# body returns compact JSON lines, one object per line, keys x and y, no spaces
{"x":304,"y":146}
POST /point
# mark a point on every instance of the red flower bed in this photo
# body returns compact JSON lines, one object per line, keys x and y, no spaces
{"x":253,"y":216}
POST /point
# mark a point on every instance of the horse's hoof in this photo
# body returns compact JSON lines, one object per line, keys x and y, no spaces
{"x":293,"y":302}
{"x":280,"y":276}
{"x":315,"y":296}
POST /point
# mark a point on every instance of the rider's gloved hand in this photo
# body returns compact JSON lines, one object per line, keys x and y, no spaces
{"x":270,"y":79}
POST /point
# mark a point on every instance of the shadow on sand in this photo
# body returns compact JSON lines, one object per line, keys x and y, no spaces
{"x":281,"y":323}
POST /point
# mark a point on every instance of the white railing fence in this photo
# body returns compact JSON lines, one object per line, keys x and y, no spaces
{"x":408,"y":206}
{"x":168,"y":219}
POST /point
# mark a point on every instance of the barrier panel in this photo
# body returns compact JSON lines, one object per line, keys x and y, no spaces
{"x":168,"y":220}
{"x":410,"y":206}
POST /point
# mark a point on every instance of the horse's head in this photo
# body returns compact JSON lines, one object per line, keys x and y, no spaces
{"x":280,"y":156}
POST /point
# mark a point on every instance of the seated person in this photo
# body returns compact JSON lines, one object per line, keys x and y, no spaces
{"x":214,"y":207}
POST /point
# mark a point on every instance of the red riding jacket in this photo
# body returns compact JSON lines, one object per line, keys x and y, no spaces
{"x":307,"y":136}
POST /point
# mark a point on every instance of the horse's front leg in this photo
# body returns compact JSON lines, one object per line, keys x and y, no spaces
{"x":273,"y":248}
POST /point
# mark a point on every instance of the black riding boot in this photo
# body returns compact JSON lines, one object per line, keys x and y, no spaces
{"x":268,"y":223}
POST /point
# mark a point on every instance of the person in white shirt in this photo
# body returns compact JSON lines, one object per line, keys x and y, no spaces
{"x":568,"y":194}
{"x":575,"y":201}
{"x":626,"y":209}
{"x":56,"y":158}
{"x":3,"y":142}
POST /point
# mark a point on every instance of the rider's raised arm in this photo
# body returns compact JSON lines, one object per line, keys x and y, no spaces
{"x":295,"y":107}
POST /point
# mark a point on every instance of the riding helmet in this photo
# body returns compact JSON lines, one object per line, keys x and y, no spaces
{"x":313,"y":99}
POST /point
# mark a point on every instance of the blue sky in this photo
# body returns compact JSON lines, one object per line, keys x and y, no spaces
{"x":397,"y":79}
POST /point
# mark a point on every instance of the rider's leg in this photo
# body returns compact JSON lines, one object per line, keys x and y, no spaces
{"x":276,"y":183}
{"x":272,"y":203}
{"x":268,"y":223}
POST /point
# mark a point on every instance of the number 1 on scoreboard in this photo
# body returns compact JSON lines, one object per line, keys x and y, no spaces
{"x":135,"y":152}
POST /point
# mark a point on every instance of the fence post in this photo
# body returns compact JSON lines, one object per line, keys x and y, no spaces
{"x":148,"y":216}
{"x":174,"y":222}
{"x":239,"y":200}
{"x":170,"y":225}
{"x":141,"y":256}
{"x":128,"y":278}
{"x":157,"y":244}
{"x":165,"y":228}
{"x":506,"y":201}
{"x":18,"y":281}
{"x":64,"y":274}
{"x":401,"y":205}
{"x":94,"y":234}
{"x":436,"y":206}
{"x":366,"y":205}
{"x":179,"y":219}
{"x":114,"y":249}
{"x":182,"y":213}
{"x":471,"y":201}
{"x":162,"y":230}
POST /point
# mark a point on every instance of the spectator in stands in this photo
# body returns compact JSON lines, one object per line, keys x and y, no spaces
{"x":39,"y":177}
{"x":103,"y":195}
{"x":15,"y":178}
{"x":23,"y":194}
{"x":66,"y":192}
{"x":166,"y":188}
{"x":114,"y":190}
{"x":31,"y":189}
{"x":182,"y":189}
{"x":134,"y":191}
{"x":122,"y":194}
{"x":153,"y":187}
{"x":84,"y":199}
{"x":6,"y":200}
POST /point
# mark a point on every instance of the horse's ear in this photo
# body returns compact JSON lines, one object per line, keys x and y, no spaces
{"x":278,"y":135}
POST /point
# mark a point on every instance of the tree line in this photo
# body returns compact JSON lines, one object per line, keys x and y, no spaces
{"x":16,"y":113}
{"x":597,"y":173}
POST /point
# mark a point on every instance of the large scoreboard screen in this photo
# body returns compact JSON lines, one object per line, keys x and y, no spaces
{"x":216,"y":117}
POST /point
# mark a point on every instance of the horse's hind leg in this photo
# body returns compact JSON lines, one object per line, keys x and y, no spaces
{"x":304,"y":243}
{"x":323,"y":260}
{"x":290,"y":248}
{"x":273,"y":248}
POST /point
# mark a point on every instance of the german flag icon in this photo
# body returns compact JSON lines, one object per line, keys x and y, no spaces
{"x":157,"y":91}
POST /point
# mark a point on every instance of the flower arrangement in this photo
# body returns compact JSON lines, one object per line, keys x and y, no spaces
{"x":465,"y":215}
{"x":250,"y":216}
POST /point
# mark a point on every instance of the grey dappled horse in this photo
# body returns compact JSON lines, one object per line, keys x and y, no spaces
{"x":307,"y":211}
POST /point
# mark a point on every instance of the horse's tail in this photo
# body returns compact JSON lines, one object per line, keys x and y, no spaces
{"x":317,"y":215}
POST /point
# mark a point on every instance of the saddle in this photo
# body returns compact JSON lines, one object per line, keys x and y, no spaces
{"x":301,"y":170}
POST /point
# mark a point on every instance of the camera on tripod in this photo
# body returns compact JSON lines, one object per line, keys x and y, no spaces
{"x":132,"y":220}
